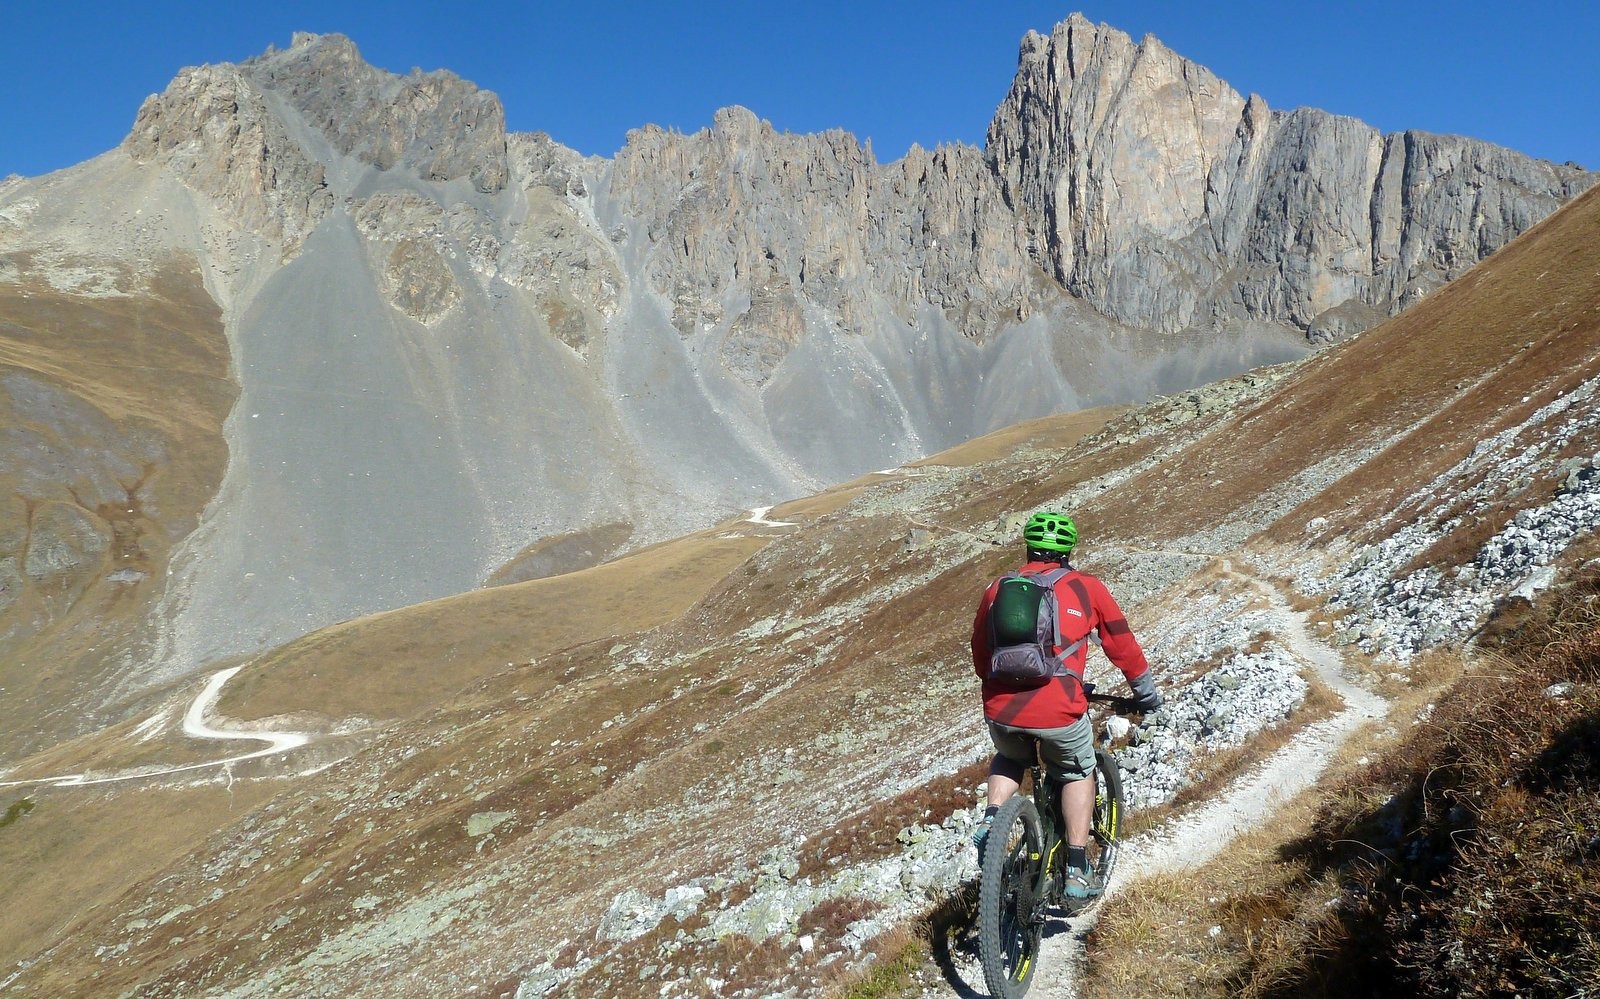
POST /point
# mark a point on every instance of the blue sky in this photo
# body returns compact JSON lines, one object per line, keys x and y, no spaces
{"x":1521,"y":75}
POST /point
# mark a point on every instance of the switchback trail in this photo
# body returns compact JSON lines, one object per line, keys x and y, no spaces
{"x":758,"y":515}
{"x":1196,"y":836}
{"x":194,"y":726}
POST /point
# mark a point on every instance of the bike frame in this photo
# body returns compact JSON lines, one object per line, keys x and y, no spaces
{"x":1052,"y":826}
{"x":1052,"y":823}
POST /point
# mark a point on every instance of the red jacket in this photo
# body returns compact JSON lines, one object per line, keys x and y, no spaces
{"x":1059,"y":702}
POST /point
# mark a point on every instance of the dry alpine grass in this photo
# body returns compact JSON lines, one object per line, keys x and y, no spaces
{"x":1269,"y":906}
{"x":1467,"y":858}
{"x":1194,"y":932}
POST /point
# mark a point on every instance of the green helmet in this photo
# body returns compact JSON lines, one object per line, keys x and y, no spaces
{"x":1050,"y":531}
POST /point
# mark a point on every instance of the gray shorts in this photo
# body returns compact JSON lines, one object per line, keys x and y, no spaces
{"x":1068,"y":752}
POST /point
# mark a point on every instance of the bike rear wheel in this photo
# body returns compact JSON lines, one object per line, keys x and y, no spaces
{"x":1011,"y":902}
{"x":1108,"y":811}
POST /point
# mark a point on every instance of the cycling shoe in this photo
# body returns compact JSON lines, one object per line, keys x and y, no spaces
{"x":1080,"y":885}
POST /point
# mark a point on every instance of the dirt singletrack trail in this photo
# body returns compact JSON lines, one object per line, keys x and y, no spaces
{"x":1197,"y":836}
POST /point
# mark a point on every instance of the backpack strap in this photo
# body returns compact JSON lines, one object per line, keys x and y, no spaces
{"x":1048,"y":580}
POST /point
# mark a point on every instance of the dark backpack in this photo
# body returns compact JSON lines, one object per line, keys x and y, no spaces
{"x":1025,"y":631}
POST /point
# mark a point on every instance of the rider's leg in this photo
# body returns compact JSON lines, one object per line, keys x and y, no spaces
{"x":1077,"y":805}
{"x":1070,"y":751}
{"x":1005,"y":777}
{"x":1013,"y":750}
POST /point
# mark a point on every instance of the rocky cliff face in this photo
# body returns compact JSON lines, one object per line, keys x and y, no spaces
{"x":435,"y":124}
{"x":739,"y":213}
{"x":1154,"y":190}
{"x":1115,"y":172}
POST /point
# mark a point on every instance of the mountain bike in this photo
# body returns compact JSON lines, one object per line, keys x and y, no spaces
{"x":1024,"y":865}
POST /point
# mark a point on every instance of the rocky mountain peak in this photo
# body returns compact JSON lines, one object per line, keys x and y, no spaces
{"x":1153,"y":189}
{"x":213,"y":128}
{"x":436,"y":124}
{"x":736,"y":121}
{"x":1116,"y":172}
{"x":318,"y":40}
{"x":261,"y":137}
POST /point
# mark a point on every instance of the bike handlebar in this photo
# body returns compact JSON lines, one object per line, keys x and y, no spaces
{"x":1118,"y":703}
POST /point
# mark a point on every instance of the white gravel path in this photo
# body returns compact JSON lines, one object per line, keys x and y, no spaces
{"x":759,"y":516}
{"x":194,"y":726}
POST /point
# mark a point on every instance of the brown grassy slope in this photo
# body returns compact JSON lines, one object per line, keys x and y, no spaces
{"x":498,"y":756}
{"x":129,"y":443}
{"x":72,"y":855}
{"x":393,"y":663}
{"x":1519,"y":329}
{"x":1542,"y":288}
{"x":590,"y":799}
{"x":492,"y":751}
{"x":816,"y":665}
{"x":1464,"y":859}
{"x":832,"y":659}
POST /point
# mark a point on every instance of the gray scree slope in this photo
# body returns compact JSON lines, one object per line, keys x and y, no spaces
{"x":452,"y":341}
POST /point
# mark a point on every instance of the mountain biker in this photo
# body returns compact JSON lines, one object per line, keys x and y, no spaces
{"x":1052,"y":713}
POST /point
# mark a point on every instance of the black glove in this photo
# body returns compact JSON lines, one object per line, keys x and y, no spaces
{"x":1145,"y":696}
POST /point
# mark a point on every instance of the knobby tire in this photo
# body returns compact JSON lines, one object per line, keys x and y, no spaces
{"x":1010,"y":893}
